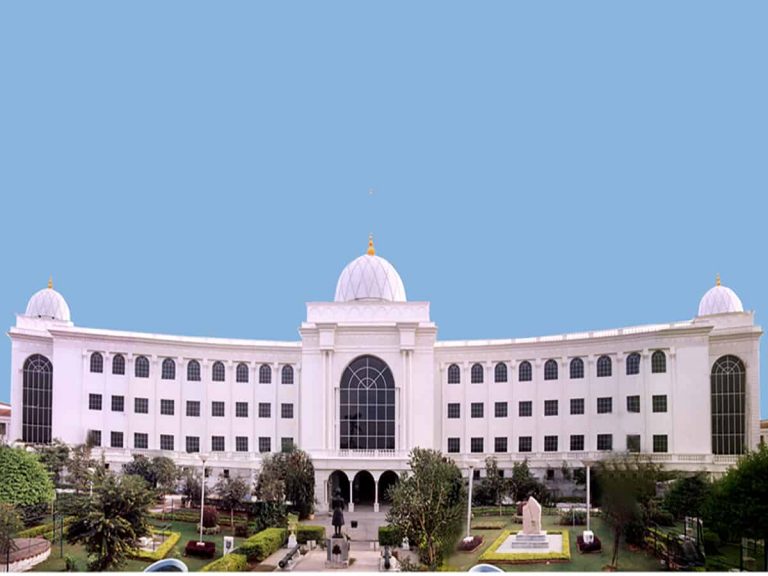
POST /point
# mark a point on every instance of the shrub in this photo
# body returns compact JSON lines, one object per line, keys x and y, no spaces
{"x":306,"y":532}
{"x":242,"y":531}
{"x":210,"y":517}
{"x":568,"y":518}
{"x":663,"y":517}
{"x":470,"y":544}
{"x":161,"y":551}
{"x":594,"y":546}
{"x":261,"y":545}
{"x":389,"y":536}
{"x":711,"y":542}
{"x":70,"y":563}
{"x":200,"y":549}
{"x":230,"y":563}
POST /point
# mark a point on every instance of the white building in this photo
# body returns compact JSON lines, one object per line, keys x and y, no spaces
{"x":368,"y":380}
{"x":5,"y":421}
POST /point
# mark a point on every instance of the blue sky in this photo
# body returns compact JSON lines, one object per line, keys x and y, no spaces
{"x":541,"y":167}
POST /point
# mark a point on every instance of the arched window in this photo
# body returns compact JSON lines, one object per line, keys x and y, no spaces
{"x":367,"y":406}
{"x":265,"y":374}
{"x":218,"y":372}
{"x":477,"y":374}
{"x":241,"y":374}
{"x":169,"y":370}
{"x":500,"y":372}
{"x":193,"y":371}
{"x":633,"y":364}
{"x":454,"y":374}
{"x":525,"y":372}
{"x":97,"y":363}
{"x":728,"y":388}
{"x":658,"y":362}
{"x":604,"y":366}
{"x":550,"y":370}
{"x":577,"y":368}
{"x":141,"y":368}
{"x":37,"y":396}
{"x":118,"y":364}
{"x":287,"y":375}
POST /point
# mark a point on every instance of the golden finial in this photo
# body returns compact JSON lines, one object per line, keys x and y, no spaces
{"x":371,"y":251}
{"x":717,"y":279}
{"x":50,"y":282}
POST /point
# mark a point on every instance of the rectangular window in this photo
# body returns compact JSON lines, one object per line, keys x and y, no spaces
{"x":476,"y":410}
{"x":550,"y":443}
{"x":476,"y":445}
{"x":605,"y":441}
{"x":141,"y":405}
{"x":660,"y":443}
{"x":454,"y":410}
{"x":94,"y":437}
{"x":577,"y":442}
{"x":525,"y":408}
{"x":116,"y":439}
{"x":241,"y":443}
{"x":633,"y":442}
{"x":633,"y":404}
{"x":193,"y":444}
{"x":241,"y":409}
{"x":525,"y":444}
{"x":217,"y":409}
{"x":550,"y":407}
{"x":217,"y":443}
{"x":286,"y":411}
{"x":265,"y":444}
{"x":500,"y":444}
{"x":193,"y":408}
{"x":659,"y":403}
{"x":265,"y":410}
{"x":605,"y":405}
{"x":454,"y":445}
{"x":166,"y":442}
{"x":94,"y":401}
{"x":140,"y":440}
{"x":118,"y":403}
{"x":286,"y":444}
{"x":166,"y":407}
{"x":500,"y":409}
{"x":577,"y":405}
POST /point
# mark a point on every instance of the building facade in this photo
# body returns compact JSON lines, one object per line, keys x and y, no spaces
{"x":368,"y":381}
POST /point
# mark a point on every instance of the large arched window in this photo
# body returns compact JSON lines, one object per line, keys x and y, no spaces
{"x":118,"y":364}
{"x":141,"y":368}
{"x":367,"y":406}
{"x":577,"y":368}
{"x":169,"y":370}
{"x":500,"y":372}
{"x":241,"y":374}
{"x":658,"y":362}
{"x":728,"y":386}
{"x":217,"y":372}
{"x":524,"y":371}
{"x":550,"y":370}
{"x":454,"y":374}
{"x":604,"y":366}
{"x":265,"y":374}
{"x":193,"y":371}
{"x":476,"y":376}
{"x":37,"y":396}
{"x":633,"y":364}
{"x":286,"y":375}
{"x":97,"y":363}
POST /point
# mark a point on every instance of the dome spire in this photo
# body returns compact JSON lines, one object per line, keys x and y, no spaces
{"x":371,"y":251}
{"x":50,"y":282}
{"x":717,"y":279}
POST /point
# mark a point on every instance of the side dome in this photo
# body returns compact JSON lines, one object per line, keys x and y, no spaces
{"x":719,"y":300}
{"x":370,"y":277}
{"x":48,"y":304}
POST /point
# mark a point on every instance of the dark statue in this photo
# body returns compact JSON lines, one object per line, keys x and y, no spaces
{"x":337,"y":503}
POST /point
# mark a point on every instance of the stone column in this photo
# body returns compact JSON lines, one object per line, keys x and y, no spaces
{"x":351,"y":490}
{"x":375,"y":495}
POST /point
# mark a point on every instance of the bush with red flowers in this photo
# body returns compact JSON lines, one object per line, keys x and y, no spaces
{"x":471,"y":543}
{"x":200,"y":549}
{"x":594,"y":546}
{"x":210,"y":517}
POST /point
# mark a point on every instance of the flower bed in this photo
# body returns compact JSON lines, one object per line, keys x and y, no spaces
{"x":491,"y":555}
{"x":470,"y":543}
{"x":488,"y":524}
{"x":200,"y":549}
{"x":161,"y":551}
{"x":594,"y":546}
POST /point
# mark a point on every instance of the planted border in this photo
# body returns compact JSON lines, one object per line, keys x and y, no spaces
{"x":232,"y":562}
{"x":491,"y":555}
{"x":161,"y":551}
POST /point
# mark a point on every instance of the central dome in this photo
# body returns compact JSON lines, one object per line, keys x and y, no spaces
{"x":370,"y":277}
{"x":48,"y":304}
{"x":720,"y":300}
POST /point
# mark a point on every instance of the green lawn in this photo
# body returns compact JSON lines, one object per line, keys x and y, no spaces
{"x":594,"y":562}
{"x":188,"y":532}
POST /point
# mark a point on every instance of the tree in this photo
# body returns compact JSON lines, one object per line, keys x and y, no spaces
{"x":160,"y":472}
{"x":79,"y":468}
{"x":494,"y":484}
{"x":231,"y":492}
{"x":10,"y":524}
{"x":738,"y":503}
{"x":114,"y":519}
{"x":24,"y":481}
{"x":288,"y":476}
{"x":54,"y":457}
{"x":686,"y":496}
{"x":428,"y":503}
{"x":191,"y":487}
{"x":523,"y":484}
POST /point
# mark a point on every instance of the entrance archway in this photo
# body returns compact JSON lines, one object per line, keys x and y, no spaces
{"x":363,"y":489}
{"x":387,"y":480}
{"x":340,"y":480}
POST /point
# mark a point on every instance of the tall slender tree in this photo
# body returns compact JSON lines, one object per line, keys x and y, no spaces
{"x":231,"y":492}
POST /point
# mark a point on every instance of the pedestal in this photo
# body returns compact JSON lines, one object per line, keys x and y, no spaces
{"x":337,"y":551}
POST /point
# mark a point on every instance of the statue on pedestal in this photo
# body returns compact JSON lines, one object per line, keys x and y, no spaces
{"x":337,"y":503}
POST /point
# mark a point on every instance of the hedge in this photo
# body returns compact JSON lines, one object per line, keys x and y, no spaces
{"x":261,"y":545}
{"x":43,"y":530}
{"x":232,"y":562}
{"x":306,"y":532}
{"x":389,"y":536}
{"x":491,"y":555}
{"x":161,"y":551}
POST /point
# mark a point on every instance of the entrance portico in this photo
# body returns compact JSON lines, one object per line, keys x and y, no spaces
{"x":360,"y":489}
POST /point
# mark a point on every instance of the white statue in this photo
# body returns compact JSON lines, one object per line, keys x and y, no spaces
{"x":532,"y":517}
